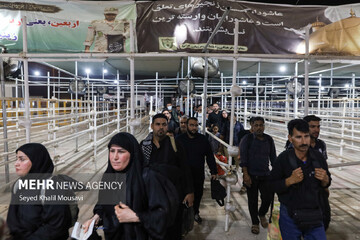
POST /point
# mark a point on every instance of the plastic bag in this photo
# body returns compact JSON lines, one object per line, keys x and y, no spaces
{"x":274,"y":228}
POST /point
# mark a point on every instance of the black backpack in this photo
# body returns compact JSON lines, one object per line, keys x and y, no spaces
{"x":323,"y":194}
{"x":250,"y":139}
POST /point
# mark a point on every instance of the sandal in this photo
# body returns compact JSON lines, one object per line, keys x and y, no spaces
{"x":264,"y":222}
{"x":255,"y":229}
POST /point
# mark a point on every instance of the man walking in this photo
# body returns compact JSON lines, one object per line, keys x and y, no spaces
{"x":297,"y":177}
{"x":160,"y":150}
{"x":198,"y":150}
{"x":257,"y":150}
{"x":214,"y":117}
{"x":240,"y":136}
{"x":314,"y":131}
{"x":319,"y":145}
{"x":183,"y":127}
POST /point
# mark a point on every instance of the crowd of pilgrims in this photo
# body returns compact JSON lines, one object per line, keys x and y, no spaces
{"x":158,"y":177}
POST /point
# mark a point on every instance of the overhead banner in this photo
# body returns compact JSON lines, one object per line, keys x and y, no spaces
{"x":182,"y":25}
{"x":178,"y":26}
{"x":67,"y":26}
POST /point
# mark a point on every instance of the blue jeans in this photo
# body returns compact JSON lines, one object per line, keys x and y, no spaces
{"x":289,"y":230}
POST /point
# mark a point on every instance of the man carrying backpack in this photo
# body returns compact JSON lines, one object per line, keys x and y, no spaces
{"x":298,"y":176}
{"x":318,"y":145}
{"x":257,"y":150}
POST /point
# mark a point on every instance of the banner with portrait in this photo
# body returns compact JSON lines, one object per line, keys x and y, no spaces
{"x":66,"y":26}
{"x":178,"y":26}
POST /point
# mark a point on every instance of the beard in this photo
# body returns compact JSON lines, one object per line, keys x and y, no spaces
{"x":192,"y":133}
{"x":160,"y":134}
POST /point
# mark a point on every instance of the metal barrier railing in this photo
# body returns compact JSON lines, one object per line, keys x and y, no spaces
{"x":59,"y":127}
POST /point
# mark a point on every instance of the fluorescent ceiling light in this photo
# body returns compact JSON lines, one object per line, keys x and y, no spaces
{"x":282,"y":69}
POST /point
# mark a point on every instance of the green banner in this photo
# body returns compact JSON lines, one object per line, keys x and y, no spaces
{"x":67,"y":26}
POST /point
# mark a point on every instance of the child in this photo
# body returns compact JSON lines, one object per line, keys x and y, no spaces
{"x":213,"y":142}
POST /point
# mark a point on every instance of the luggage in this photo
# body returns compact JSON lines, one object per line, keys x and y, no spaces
{"x":187,"y":219}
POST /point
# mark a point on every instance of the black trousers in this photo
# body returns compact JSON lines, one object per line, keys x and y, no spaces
{"x":198,"y":191}
{"x":258,"y":184}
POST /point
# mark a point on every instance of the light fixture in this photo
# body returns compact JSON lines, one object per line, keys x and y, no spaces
{"x":318,"y":81}
{"x":37,"y":73}
{"x":180,"y":34}
{"x":88,"y":70}
{"x":244,"y":82}
{"x":322,"y":88}
{"x":105,"y":71}
{"x":282,"y":68}
{"x":81,"y":86}
{"x":116,"y":81}
{"x":347,"y":85}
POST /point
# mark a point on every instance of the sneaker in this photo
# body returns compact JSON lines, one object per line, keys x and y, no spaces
{"x":242,"y":190}
{"x":264,"y":222}
{"x":197,"y":218}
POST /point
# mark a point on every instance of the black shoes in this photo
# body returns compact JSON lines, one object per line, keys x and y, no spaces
{"x":197,"y":218}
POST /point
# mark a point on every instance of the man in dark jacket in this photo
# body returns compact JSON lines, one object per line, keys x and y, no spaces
{"x":257,"y":150}
{"x":314,"y":131}
{"x":160,"y":150}
{"x":240,"y":136}
{"x":297,"y":177}
{"x":214,"y":117}
{"x":197,"y":150}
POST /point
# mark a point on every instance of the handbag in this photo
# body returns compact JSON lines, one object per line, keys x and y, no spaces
{"x":218,"y":192}
{"x":307,"y":218}
{"x":187,"y":219}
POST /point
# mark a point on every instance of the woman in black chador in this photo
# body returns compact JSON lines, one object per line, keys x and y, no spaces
{"x":32,"y":220}
{"x":139,"y":209}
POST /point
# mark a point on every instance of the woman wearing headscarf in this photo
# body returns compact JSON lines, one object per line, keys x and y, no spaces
{"x":33,"y":220}
{"x":138,"y":210}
